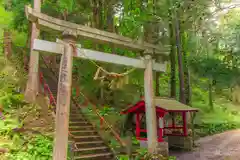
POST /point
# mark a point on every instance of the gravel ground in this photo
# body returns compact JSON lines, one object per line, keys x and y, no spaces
{"x":223,"y":146}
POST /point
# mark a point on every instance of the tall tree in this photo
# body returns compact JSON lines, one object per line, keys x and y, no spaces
{"x":172,"y":51}
{"x":180,"y":57}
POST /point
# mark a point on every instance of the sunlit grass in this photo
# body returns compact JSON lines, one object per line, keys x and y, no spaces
{"x":222,"y":113}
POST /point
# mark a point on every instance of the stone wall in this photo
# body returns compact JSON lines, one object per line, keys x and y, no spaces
{"x":163,"y":149}
{"x":185,"y":143}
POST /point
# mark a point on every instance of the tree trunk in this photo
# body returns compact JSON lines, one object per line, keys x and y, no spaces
{"x":96,"y":17}
{"x":172,"y":57}
{"x":157,"y":87}
{"x":28,"y":44}
{"x":111,"y":28}
{"x":33,"y":76}
{"x":185,"y":68}
{"x":180,"y":60}
{"x":7,"y":43}
{"x":210,"y":93}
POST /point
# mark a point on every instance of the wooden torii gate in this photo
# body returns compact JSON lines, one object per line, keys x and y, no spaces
{"x":70,"y":33}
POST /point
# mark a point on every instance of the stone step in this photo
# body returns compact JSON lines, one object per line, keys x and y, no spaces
{"x":90,"y":142}
{"x":86,"y":137}
{"x":75,"y":119}
{"x":84,"y":131}
{"x":76,"y":115}
{"x":90,"y":156}
{"x":90,"y":149}
{"x":77,"y":122}
{"x":81,"y":127}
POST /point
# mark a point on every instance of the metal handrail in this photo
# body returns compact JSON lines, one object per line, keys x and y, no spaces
{"x":47,"y":88}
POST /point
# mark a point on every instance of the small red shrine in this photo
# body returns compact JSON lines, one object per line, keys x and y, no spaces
{"x":164,"y":107}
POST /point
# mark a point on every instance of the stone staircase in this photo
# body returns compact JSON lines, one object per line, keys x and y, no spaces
{"x":88,"y":144}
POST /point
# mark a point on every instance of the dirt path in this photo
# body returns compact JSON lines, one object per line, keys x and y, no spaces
{"x":224,"y":146}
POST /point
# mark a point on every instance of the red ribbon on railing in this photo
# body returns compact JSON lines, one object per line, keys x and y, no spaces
{"x":47,"y":91}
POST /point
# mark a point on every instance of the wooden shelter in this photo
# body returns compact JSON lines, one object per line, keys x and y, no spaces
{"x":164,"y":106}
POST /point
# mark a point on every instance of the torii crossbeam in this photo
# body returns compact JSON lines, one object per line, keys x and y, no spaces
{"x":57,"y":48}
{"x":73,"y":31}
{"x":48,"y":23}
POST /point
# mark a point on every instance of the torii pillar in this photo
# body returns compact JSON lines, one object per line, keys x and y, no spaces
{"x":150,"y":106}
{"x":33,"y":87}
{"x":63,"y":98}
{"x":151,"y":119}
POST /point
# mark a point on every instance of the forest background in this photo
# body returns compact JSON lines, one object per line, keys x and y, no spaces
{"x":203,"y":68}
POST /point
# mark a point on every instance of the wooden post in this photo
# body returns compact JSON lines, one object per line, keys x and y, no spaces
{"x":138,"y":126}
{"x":63,"y":99}
{"x":173,"y":120}
{"x":193,"y":115}
{"x":185,"y":130}
{"x":33,"y":80}
{"x":150,"y":106}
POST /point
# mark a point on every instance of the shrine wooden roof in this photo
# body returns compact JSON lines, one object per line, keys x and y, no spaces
{"x":162,"y":105}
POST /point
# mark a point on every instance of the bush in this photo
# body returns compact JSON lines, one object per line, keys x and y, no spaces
{"x":38,"y":147}
{"x":213,"y":128}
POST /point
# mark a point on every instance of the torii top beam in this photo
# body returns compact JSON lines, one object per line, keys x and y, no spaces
{"x":45,"y":22}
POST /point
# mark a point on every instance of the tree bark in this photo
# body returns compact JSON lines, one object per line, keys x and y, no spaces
{"x":96,"y":18}
{"x":28,"y":44}
{"x":33,"y":75}
{"x":157,"y":87}
{"x":185,"y":68}
{"x":7,"y":43}
{"x":172,"y":57}
{"x":210,"y":93}
{"x":111,"y":28}
{"x":180,"y":60}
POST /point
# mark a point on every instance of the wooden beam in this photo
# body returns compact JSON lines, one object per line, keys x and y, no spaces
{"x":57,"y":48}
{"x":46,"y":22}
{"x":46,"y":46}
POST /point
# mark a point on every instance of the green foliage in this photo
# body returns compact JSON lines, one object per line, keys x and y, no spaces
{"x":38,"y":147}
{"x":20,"y":146}
{"x":217,"y":121}
{"x":106,"y":110}
{"x":213,"y":68}
{"x":19,"y":22}
{"x":23,"y":147}
{"x":143,"y":154}
{"x":135,"y":141}
{"x":214,"y":128}
{"x":5,"y":18}
{"x":207,"y":59}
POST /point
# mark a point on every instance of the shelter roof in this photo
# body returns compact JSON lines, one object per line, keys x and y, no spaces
{"x":162,"y":105}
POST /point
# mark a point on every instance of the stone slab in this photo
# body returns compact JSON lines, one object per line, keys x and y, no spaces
{"x":185,"y":143}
